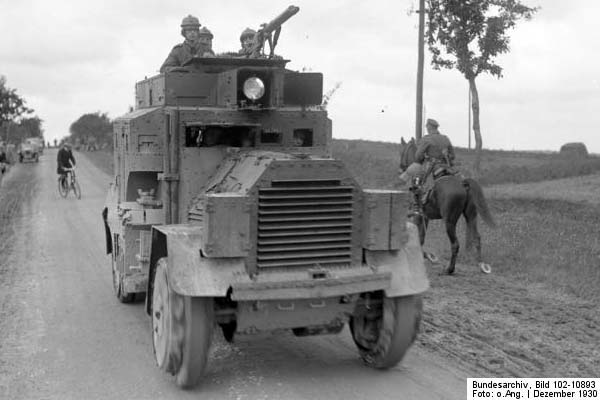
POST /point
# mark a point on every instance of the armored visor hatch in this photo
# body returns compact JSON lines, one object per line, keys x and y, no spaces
{"x":229,"y":213}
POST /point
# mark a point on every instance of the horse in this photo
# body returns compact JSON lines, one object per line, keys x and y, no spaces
{"x":450,"y":197}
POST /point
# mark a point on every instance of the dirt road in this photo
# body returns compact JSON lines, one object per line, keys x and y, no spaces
{"x":63,"y":334}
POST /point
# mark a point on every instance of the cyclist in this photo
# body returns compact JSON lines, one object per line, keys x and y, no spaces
{"x":64,"y":160}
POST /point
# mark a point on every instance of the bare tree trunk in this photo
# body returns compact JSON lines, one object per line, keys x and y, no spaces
{"x":476,"y":127}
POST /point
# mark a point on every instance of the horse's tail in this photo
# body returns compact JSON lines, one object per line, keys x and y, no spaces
{"x":478,"y":198}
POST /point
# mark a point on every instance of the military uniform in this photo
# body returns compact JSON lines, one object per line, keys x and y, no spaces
{"x":434,"y":146}
{"x":432,"y":150}
{"x":184,"y":52}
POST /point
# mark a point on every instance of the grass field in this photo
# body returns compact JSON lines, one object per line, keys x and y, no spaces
{"x":538,"y":240}
{"x":547,"y":228}
{"x":375,"y":164}
{"x":577,"y":189}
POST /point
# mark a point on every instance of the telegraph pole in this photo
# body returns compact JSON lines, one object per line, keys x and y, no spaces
{"x":419,"y":117}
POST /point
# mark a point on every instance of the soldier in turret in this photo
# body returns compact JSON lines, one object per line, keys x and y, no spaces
{"x":193,"y":46}
{"x":247,"y":41}
{"x":206,"y":38}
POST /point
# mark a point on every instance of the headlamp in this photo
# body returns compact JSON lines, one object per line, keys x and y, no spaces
{"x":254,"y":88}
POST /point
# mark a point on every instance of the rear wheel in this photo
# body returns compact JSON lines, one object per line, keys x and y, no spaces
{"x":124,"y":297}
{"x":384,"y":338}
{"x":182,"y":328}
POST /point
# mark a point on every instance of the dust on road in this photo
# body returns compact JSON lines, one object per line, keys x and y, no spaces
{"x":63,"y":334}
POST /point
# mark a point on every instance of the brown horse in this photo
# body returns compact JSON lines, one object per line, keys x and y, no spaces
{"x":450,"y":197}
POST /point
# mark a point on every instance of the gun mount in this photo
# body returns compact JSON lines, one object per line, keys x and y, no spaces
{"x":270,"y":32}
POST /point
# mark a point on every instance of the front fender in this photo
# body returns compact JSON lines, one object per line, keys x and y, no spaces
{"x":406,"y":265}
{"x":191,"y":274}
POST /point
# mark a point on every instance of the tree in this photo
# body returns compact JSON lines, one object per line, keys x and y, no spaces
{"x":25,"y":128}
{"x":93,"y":125}
{"x":31,"y":127}
{"x":468,"y":35}
{"x":12,"y":106}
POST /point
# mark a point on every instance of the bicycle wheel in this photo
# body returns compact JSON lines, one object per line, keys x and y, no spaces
{"x":63,"y":189}
{"x":76,"y":189}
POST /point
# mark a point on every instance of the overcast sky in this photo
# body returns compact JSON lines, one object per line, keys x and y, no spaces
{"x":68,"y":58}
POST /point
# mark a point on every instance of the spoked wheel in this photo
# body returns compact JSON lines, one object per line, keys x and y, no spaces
{"x":124,"y":297}
{"x":76,"y":190}
{"x":384,"y":337}
{"x":63,"y":189}
{"x":182,"y":328}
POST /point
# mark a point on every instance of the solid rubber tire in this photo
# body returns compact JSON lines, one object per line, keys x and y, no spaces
{"x":400,"y":322}
{"x":190,"y":322}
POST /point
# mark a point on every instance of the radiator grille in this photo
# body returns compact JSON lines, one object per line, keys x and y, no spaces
{"x":304,"y":223}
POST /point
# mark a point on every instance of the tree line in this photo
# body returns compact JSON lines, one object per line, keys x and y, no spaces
{"x":91,"y":131}
{"x":17,"y":121}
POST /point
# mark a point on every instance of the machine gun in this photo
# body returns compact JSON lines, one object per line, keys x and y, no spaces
{"x":270,"y":33}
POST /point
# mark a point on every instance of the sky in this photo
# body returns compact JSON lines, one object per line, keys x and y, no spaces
{"x":67,"y":58}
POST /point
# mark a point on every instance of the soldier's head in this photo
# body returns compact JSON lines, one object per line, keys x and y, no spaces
{"x":432,"y":126}
{"x":247,"y":38}
{"x":205,"y":37}
{"x":190,"y":28}
{"x":66,"y":145}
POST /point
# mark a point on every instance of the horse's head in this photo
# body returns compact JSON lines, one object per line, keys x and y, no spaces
{"x":407,"y":153}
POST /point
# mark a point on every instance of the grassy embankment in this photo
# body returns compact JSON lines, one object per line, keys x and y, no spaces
{"x":547,"y":230}
{"x":101,"y":159}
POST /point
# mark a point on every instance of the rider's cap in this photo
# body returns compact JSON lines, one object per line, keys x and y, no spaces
{"x":432,"y":122}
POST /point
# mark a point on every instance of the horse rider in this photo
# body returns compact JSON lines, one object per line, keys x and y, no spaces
{"x":434,"y":155}
{"x":191,"y":47}
{"x":434,"y":149}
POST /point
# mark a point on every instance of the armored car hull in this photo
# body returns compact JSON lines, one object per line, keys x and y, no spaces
{"x":228,"y":212}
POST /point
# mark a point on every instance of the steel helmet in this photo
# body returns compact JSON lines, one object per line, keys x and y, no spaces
{"x":206,"y":32}
{"x":247,"y":33}
{"x":190,"y":22}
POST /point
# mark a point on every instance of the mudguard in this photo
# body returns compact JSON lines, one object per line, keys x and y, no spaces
{"x":189,"y":272}
{"x":107,"y":234}
{"x":406,"y":265}
{"x":192,"y":274}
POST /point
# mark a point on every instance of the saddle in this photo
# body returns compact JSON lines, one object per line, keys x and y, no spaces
{"x":438,"y":170}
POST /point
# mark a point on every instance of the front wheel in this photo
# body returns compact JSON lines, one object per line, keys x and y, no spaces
{"x":182,"y":328}
{"x":63,"y":189}
{"x":76,"y":189}
{"x":384,"y":338}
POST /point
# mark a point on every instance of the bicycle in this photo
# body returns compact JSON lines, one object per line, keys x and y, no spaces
{"x":68,"y":182}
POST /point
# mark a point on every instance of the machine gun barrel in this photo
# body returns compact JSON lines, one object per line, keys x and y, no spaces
{"x":280,"y":20}
{"x":266,"y":31}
